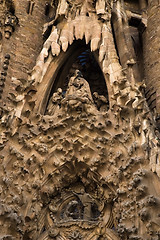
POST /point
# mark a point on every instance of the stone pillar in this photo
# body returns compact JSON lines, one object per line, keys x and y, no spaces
{"x":152,"y":55}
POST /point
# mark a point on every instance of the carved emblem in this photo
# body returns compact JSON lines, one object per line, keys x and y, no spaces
{"x":75,"y":235}
{"x":73,"y":214}
{"x":79,"y":210}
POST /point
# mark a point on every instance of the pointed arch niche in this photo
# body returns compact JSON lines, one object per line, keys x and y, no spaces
{"x":78,"y":57}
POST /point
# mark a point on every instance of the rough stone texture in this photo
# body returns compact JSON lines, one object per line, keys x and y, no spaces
{"x":152,"y":44}
{"x":24,"y":44}
{"x":79,"y":142}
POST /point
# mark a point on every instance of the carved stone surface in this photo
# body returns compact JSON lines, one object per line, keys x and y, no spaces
{"x":9,"y":24}
{"x":74,"y":212}
{"x":79,"y":133}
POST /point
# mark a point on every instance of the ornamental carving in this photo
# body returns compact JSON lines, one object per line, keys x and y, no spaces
{"x":79,"y":210}
{"x":9,"y":25}
{"x":79,"y":114}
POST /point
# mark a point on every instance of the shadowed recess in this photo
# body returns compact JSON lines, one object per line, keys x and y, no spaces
{"x":88,"y":68}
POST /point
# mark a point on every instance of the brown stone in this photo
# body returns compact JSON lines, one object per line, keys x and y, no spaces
{"x":79,"y":120}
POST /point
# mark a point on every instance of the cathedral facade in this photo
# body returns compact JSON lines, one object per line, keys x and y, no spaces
{"x":79,"y":120}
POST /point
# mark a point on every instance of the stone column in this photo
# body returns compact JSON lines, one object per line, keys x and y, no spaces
{"x":152,"y":55}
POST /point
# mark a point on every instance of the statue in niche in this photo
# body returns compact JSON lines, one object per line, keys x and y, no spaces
{"x":78,"y":95}
{"x":79,"y":88}
{"x":55,"y":102}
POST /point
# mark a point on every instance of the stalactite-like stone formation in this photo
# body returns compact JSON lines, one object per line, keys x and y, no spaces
{"x":79,"y":146}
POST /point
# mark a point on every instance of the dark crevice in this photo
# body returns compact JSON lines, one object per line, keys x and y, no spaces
{"x":151,"y":104}
{"x":134,"y":22}
{"x":148,"y":98}
{"x":30,"y":7}
{"x":47,"y":8}
{"x":148,"y":91}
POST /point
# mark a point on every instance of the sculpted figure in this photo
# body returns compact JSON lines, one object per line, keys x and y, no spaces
{"x":87,"y":201}
{"x":55,"y":101}
{"x":78,"y":95}
{"x":100,"y":101}
{"x":79,"y":87}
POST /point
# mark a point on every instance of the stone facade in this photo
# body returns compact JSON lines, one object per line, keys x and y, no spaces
{"x":79,"y":124}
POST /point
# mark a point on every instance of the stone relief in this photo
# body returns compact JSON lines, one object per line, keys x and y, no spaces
{"x":78,"y":211}
{"x":78,"y":162}
{"x":77,"y":96}
{"x":77,"y":91}
{"x":9,"y":25}
{"x":8,"y":21}
{"x":55,"y":101}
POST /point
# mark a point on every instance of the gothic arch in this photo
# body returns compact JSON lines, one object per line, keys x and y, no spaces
{"x":59,"y":68}
{"x":54,"y":69}
{"x":83,"y":64}
{"x":61,"y":44}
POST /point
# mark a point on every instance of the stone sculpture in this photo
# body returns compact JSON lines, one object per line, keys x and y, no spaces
{"x":55,"y":101}
{"x":79,"y":133}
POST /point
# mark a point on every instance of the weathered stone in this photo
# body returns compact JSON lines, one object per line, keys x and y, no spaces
{"x":79,"y":135}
